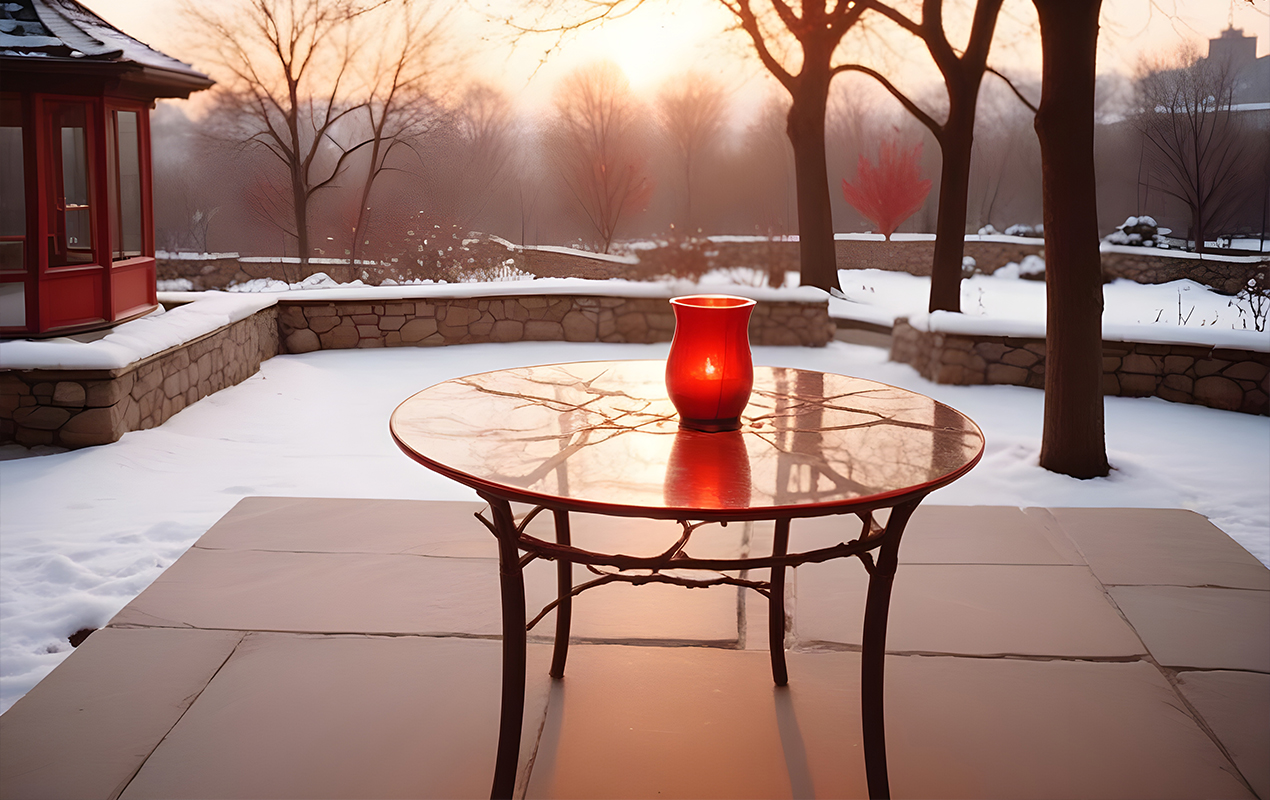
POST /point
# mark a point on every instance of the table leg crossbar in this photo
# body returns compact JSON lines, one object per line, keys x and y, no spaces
{"x":512,"y":538}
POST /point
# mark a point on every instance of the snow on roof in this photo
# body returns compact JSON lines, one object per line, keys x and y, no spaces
{"x":66,"y":29}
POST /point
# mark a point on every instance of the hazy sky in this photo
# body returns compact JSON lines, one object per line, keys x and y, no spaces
{"x":665,"y":37}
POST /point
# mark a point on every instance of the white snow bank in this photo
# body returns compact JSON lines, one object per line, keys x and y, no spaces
{"x":182,"y":255}
{"x":1179,"y":312}
{"x":550,"y":248}
{"x":1108,"y":247}
{"x":615,"y":287}
{"x":202,"y":313}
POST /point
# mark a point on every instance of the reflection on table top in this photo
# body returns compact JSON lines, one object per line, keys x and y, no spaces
{"x":602,"y":436}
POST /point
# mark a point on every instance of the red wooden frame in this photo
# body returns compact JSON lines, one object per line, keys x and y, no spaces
{"x":78,"y":297}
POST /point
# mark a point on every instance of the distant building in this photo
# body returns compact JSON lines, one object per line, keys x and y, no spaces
{"x":1251,"y":75}
{"x":76,"y":216}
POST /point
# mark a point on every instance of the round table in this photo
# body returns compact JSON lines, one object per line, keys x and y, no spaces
{"x":602,"y":437}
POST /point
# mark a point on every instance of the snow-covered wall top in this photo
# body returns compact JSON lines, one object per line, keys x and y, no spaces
{"x":1107,"y":247}
{"x":948,"y":322}
{"x":136,"y":340}
{"x":204,"y":312}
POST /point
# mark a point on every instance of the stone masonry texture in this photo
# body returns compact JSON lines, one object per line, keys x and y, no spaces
{"x":72,"y":409}
{"x":307,"y":326}
{"x":1234,"y":380}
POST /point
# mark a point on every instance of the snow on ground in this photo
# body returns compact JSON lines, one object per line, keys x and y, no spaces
{"x":83,"y":532}
{"x":1178,"y":312}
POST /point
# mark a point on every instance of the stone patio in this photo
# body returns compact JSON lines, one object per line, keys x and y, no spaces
{"x":333,"y":648}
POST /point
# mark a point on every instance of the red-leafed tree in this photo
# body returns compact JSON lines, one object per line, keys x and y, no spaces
{"x":892,"y":191}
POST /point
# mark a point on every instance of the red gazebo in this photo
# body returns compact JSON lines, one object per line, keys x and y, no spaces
{"x":76,"y":221}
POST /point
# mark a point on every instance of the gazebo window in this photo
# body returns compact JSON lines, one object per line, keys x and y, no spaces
{"x":12,"y":187}
{"x":12,"y":212}
{"x":123,"y":149}
{"x":71,"y":238}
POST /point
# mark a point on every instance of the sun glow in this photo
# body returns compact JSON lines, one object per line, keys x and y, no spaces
{"x":653,"y":45}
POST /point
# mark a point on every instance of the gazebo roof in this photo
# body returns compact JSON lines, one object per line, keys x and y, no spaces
{"x":64,"y":36}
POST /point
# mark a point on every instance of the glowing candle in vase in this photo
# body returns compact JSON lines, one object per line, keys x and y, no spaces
{"x":709,"y":372}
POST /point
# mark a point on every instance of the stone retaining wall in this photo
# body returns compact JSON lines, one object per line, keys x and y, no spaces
{"x":78,"y":408}
{"x":1234,"y":380}
{"x":1159,"y":266}
{"x":306,"y":326}
{"x":915,"y":257}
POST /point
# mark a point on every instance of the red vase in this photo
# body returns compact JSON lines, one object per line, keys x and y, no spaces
{"x":709,"y":373}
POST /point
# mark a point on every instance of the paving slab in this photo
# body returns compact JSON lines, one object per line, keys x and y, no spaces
{"x":649,"y":613}
{"x":1159,"y":546}
{"x":264,"y":590}
{"x":293,"y":716}
{"x":951,"y":535}
{"x":691,"y":722}
{"x":1200,"y":627}
{"x":968,"y":609}
{"x":1236,"y":706}
{"x":284,"y":579}
{"x":85,"y":730}
{"x":980,"y":728}
{"x":337,"y":525}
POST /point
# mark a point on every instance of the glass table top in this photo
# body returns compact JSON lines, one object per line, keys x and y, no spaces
{"x":603,"y":436}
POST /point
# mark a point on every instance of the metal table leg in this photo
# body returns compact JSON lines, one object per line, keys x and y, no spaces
{"x":564,"y":589}
{"x":873,"y":655}
{"x":512,"y":585}
{"x":776,"y":607}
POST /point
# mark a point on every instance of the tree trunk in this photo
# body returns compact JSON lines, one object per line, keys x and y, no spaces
{"x":363,"y":206}
{"x":1072,"y":440}
{"x":818,"y":261}
{"x":954,"y":186}
{"x":301,"y":200}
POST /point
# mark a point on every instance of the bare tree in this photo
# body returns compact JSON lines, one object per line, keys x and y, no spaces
{"x":1005,"y":166}
{"x":289,"y":87}
{"x":692,"y":109}
{"x":184,"y":202}
{"x":396,"y":107}
{"x":488,"y":129}
{"x":1198,"y":151}
{"x":764,"y":173}
{"x":599,"y":148}
{"x":962,"y":73}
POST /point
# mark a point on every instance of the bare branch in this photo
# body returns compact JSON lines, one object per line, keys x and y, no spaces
{"x":1009,"y":83}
